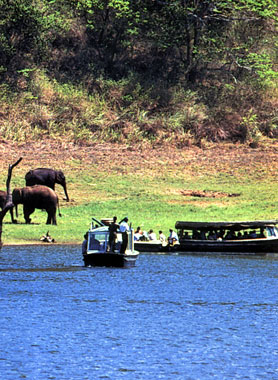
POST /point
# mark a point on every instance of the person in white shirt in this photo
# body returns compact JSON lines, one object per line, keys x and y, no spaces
{"x":124,"y":228}
{"x":173,"y":237}
{"x":138,"y":234}
{"x":162,"y":238}
{"x":151,"y":235}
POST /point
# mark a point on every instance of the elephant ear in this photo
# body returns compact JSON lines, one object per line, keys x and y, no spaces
{"x":60,"y":176}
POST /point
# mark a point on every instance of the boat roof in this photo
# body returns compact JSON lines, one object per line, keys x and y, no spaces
{"x":99,"y":229}
{"x":217,"y":225}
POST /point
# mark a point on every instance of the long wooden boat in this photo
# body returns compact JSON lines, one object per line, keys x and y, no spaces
{"x":98,"y":253}
{"x":257,"y":238}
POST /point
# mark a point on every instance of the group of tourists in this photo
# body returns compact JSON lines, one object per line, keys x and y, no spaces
{"x":141,"y":235}
{"x":224,"y":235}
{"x":123,"y":227}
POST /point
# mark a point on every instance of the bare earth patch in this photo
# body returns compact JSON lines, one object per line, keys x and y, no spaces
{"x":207,"y":193}
{"x":145,"y":160}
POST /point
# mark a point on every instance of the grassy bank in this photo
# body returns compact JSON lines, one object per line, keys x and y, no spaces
{"x":151,"y":186}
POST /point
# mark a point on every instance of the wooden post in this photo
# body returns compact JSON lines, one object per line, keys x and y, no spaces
{"x":9,"y":201}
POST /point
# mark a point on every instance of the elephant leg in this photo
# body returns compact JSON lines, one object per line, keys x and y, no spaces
{"x":48,"y":221}
{"x":12,"y":216}
{"x":27,"y":211}
{"x":51,"y":218}
{"x":54,"y":221}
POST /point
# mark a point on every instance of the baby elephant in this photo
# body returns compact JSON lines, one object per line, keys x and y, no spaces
{"x":3,"y":196}
{"x":37,"y":196}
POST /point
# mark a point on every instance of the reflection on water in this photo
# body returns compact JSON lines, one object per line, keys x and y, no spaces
{"x":170,"y":317}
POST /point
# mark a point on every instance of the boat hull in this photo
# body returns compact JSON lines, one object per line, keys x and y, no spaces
{"x":148,"y":246}
{"x":115,"y":260}
{"x":258,"y":247}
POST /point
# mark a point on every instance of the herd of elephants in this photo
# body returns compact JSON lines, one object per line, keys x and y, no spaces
{"x":38,"y":193}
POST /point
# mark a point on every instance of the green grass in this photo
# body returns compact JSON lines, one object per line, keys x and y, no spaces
{"x":149,"y":201}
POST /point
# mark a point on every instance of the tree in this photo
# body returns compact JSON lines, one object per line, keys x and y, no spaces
{"x":197,"y":38}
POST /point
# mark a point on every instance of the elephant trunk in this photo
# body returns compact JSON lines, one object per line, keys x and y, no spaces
{"x":66,"y":193}
{"x":58,"y":207}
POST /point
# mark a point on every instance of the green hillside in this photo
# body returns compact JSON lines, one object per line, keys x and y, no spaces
{"x":179,"y":72}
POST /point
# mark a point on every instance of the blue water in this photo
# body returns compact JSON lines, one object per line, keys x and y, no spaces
{"x":170,"y":317}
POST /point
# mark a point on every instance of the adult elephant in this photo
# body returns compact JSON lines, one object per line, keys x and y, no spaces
{"x":38,"y":196}
{"x":46,"y":177}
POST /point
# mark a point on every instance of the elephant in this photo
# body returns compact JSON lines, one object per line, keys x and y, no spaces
{"x":37,"y":196}
{"x":46,"y":177}
{"x":3,"y":196}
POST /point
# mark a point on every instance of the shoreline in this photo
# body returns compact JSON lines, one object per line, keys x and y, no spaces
{"x":38,"y":244}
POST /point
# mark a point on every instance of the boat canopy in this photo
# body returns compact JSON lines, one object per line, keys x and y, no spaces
{"x":225,"y":225}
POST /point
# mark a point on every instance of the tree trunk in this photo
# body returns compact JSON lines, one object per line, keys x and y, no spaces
{"x":9,"y":201}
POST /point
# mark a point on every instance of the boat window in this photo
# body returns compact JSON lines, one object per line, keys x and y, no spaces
{"x":98,"y":241}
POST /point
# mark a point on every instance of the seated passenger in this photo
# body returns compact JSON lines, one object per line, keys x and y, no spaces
{"x":211,"y":235}
{"x":162,"y":238}
{"x":145,"y":236}
{"x":253,"y":234}
{"x":151,"y":235}
{"x":203,"y":235}
{"x":230,"y":235}
{"x":173,"y":238}
{"x":138,"y":234}
{"x":245,"y":235}
{"x":196,"y":235}
{"x":186,"y":235}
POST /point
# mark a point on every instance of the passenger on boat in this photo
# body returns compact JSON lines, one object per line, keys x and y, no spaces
{"x":186,"y":235}
{"x":124,"y":228}
{"x":138,"y":234}
{"x":162,"y":238}
{"x":85,"y":244}
{"x":245,"y":235}
{"x":253,"y":234}
{"x":145,"y":236}
{"x":196,"y":235}
{"x":230,"y":235}
{"x":113,"y":227}
{"x":212,"y":235}
{"x":203,"y":235}
{"x":152,"y":235}
{"x":239,"y":235}
{"x":173,"y":238}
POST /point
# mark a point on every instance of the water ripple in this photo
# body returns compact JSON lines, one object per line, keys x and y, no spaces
{"x":170,"y":317}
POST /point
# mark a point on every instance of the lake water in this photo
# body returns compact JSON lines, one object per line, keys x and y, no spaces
{"x":170,"y":317}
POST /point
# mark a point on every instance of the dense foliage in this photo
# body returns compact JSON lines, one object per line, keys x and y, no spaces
{"x":207,"y":65}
